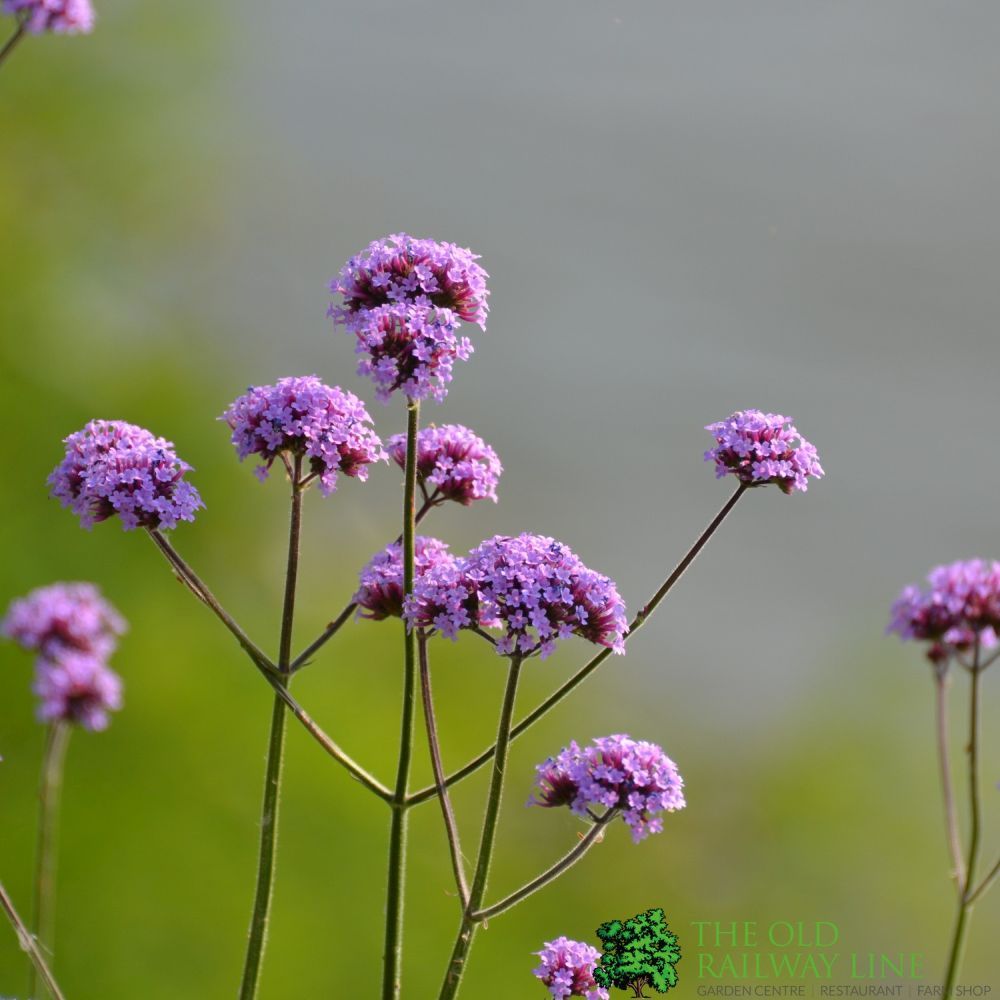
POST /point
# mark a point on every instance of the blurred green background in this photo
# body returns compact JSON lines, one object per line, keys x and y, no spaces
{"x":686,"y":208}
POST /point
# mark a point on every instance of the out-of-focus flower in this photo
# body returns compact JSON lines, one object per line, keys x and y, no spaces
{"x":453,"y":463}
{"x":64,"y":616}
{"x":59,"y":16}
{"x":760,"y":448}
{"x":78,"y":688}
{"x":380,"y":588}
{"x":614,"y":772}
{"x":961,"y":602}
{"x":566,"y":967}
{"x":112,"y":467}
{"x":328,"y":426}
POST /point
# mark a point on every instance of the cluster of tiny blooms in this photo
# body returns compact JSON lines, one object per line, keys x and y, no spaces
{"x":59,"y":16}
{"x":762,"y":448}
{"x":380,"y":587}
{"x":404,"y":299}
{"x":567,"y":968}
{"x":73,"y":630}
{"x":453,"y":463}
{"x":961,"y":602}
{"x":112,"y":467}
{"x":532,"y":586}
{"x":326,"y":425}
{"x":614,"y":772}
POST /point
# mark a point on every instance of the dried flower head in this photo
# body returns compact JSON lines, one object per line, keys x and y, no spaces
{"x":453,"y":463}
{"x":112,"y":467}
{"x":614,"y":772}
{"x":78,"y":688}
{"x":567,"y":968}
{"x":961,"y":603}
{"x":532,"y":586}
{"x":326,"y":425}
{"x":404,"y":270}
{"x":58,"y":16}
{"x":761,"y":448}
{"x":61,"y":617}
{"x":380,"y":588}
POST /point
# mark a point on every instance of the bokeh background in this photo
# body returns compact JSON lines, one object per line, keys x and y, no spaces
{"x":686,"y":208}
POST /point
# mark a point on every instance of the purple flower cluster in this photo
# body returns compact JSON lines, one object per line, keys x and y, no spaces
{"x":532,"y":586}
{"x":380,"y":587}
{"x":73,"y":630}
{"x":326,"y":425}
{"x":59,"y":16}
{"x":615,"y":772}
{"x":961,"y":603}
{"x":761,"y":448}
{"x":404,"y":299}
{"x":112,"y":467}
{"x":567,"y":969}
{"x":453,"y":463}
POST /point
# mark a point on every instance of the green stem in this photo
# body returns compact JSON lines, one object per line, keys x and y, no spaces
{"x":275,"y":757}
{"x":30,"y":945}
{"x":396,"y":884}
{"x":467,"y":930}
{"x":50,"y":786}
{"x":944,"y":763}
{"x":588,"y":668}
{"x":14,"y":39}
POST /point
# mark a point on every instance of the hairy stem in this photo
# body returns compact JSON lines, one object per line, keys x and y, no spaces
{"x":275,"y":755}
{"x":28,"y":944}
{"x":944,"y":761}
{"x":467,"y":930}
{"x":588,"y":668}
{"x":450,"y":825}
{"x":50,"y":786}
{"x":392,"y":970}
{"x":594,"y":836}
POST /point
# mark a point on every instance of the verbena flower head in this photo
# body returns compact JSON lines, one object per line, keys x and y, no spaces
{"x":328,"y":426}
{"x":961,"y":602}
{"x":567,"y":968}
{"x":380,"y":588}
{"x":79,"y":688}
{"x":532,"y":586}
{"x":614,"y":772}
{"x":112,"y":467}
{"x":761,"y":448}
{"x":453,"y":463}
{"x":404,"y":270}
{"x":59,"y":16}
{"x":62,"y":617}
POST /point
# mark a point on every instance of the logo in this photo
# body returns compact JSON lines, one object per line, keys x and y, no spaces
{"x":638,"y":954}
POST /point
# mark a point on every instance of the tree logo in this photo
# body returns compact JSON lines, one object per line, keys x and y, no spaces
{"x":638,"y":952}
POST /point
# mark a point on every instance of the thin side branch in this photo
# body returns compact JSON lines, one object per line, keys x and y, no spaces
{"x":29,"y":945}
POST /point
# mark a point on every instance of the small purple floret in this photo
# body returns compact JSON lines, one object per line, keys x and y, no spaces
{"x":566,"y":967}
{"x":761,"y":448}
{"x":112,"y":467}
{"x":532,"y":586}
{"x":78,"y":688}
{"x":961,"y":603}
{"x":59,"y":16}
{"x":328,"y":426}
{"x":453,"y":463}
{"x":615,"y":772}
{"x":380,"y":588}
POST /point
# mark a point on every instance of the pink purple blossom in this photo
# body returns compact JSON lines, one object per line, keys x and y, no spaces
{"x":453,"y":463}
{"x":380,"y":588}
{"x":761,"y":448}
{"x":961,"y":603}
{"x":567,"y":968}
{"x":614,"y":772}
{"x":112,"y":467}
{"x":326,"y":425}
{"x":59,"y":16}
{"x":63,"y":617}
{"x":531,"y":586}
{"x":79,"y":688}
